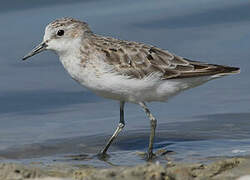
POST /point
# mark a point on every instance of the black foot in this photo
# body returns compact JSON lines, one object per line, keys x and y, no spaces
{"x":150,"y":156}
{"x":163,"y":152}
{"x":158,"y":154}
{"x":147,"y":156}
{"x":103,"y":156}
{"x":79,"y":157}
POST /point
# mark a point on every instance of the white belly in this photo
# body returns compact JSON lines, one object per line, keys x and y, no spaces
{"x":122,"y":88}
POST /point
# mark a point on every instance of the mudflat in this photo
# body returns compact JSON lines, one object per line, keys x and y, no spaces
{"x":220,"y":169}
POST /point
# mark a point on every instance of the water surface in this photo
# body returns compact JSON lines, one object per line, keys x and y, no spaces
{"x":45,"y":115}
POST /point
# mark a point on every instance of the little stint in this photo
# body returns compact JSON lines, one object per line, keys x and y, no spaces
{"x":125,"y":71}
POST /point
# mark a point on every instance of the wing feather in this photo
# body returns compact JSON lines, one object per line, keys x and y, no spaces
{"x":137,"y":60}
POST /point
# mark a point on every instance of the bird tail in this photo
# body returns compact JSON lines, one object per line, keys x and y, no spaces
{"x":225,"y":70}
{"x":214,"y":70}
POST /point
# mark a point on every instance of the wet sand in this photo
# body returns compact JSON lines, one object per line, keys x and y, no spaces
{"x":219,"y":169}
{"x":45,"y":115}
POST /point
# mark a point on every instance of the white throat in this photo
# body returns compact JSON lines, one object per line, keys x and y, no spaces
{"x":70,"y":58}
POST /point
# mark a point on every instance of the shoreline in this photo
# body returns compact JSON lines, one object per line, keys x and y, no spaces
{"x":222,"y":169}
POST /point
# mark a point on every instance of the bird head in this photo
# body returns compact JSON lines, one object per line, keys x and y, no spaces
{"x":61,"y":36}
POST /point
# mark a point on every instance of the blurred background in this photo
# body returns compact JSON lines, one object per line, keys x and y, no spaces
{"x":44,"y":113}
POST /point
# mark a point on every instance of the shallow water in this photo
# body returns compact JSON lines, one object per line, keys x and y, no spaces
{"x":45,"y":115}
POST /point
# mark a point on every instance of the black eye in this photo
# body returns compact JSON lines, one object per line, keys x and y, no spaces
{"x":60,"y":32}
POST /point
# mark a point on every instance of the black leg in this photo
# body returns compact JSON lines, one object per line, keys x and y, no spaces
{"x":118,"y":129}
{"x":153,"y":123}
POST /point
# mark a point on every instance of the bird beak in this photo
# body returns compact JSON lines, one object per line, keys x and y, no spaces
{"x":41,"y":47}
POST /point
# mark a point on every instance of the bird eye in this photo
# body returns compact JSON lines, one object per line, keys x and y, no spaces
{"x":60,"y":32}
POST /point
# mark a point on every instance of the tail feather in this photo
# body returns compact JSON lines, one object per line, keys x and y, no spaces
{"x":214,"y":70}
{"x":228,"y":69}
{"x":225,"y":70}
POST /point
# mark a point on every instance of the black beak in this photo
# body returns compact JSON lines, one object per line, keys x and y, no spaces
{"x":41,"y":47}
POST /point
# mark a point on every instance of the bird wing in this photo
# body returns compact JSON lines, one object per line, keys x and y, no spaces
{"x":137,"y":60}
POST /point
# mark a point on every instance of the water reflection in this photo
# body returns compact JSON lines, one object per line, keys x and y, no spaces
{"x":43,"y":113}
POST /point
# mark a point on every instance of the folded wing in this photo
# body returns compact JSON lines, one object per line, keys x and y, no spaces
{"x":137,"y":60}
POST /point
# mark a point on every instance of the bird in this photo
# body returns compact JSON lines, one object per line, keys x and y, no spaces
{"x":125,"y":71}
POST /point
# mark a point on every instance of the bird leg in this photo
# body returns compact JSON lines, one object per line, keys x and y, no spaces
{"x":153,"y":123}
{"x":117,"y":131}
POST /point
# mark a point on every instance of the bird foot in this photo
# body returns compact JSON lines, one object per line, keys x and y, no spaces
{"x":103,"y":156}
{"x":150,"y":156}
{"x":159,"y":153}
{"x":79,"y":157}
{"x":147,"y":156}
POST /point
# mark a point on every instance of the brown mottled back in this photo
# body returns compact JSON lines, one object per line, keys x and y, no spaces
{"x":137,"y":60}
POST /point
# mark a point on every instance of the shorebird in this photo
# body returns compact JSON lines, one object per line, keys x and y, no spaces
{"x":122,"y":70}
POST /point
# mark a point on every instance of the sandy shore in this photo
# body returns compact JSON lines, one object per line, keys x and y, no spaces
{"x":223,"y":169}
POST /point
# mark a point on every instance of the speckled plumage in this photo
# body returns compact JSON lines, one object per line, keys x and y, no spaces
{"x":137,"y":60}
{"x":124,"y":70}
